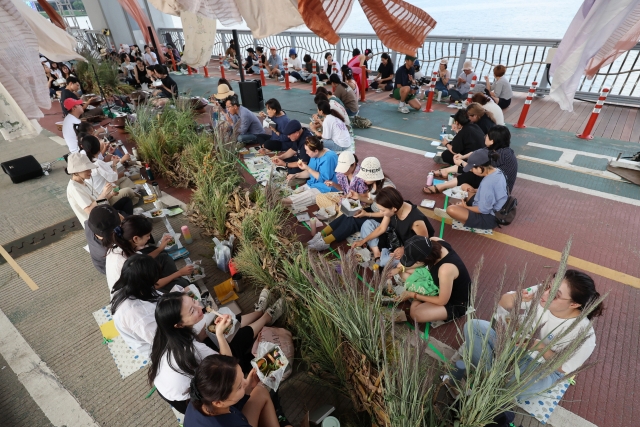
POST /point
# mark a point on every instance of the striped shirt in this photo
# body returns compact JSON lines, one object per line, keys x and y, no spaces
{"x":508,"y":164}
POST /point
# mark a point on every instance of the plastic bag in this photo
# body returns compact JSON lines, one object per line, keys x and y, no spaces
{"x":280,"y":337}
{"x":274,"y":378}
{"x":197,"y":274}
{"x":222,"y":253}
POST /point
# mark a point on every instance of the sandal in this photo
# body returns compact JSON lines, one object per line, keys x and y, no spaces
{"x":428,"y":190}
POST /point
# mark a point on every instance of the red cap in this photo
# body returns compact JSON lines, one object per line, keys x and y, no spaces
{"x":69,"y":103}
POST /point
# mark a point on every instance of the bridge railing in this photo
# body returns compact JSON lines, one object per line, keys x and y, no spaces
{"x":525,"y":59}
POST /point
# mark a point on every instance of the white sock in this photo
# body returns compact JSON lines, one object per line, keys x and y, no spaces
{"x":401,"y":104}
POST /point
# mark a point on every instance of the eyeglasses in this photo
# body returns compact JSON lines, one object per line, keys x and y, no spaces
{"x":547,"y":288}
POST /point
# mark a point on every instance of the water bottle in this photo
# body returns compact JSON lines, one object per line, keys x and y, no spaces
{"x":156,"y":189}
{"x":134,"y":151}
{"x":430,"y":179}
{"x":444,"y":128}
{"x":149,"y":173}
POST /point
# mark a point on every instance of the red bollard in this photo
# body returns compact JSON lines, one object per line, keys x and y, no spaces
{"x":263,"y":80}
{"x":525,"y":107}
{"x":314,"y":77}
{"x":286,"y":74}
{"x":189,"y":69}
{"x":473,"y":85}
{"x":173,"y":61}
{"x":206,"y":72}
{"x":586,"y":133}
{"x":222,"y":67}
{"x":363,"y":82}
{"x":432,"y":91}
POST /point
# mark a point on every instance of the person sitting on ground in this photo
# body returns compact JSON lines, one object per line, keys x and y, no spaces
{"x":274,"y":64}
{"x":75,"y":109}
{"x":294,"y":65}
{"x":403,"y":91}
{"x":500,"y":90}
{"x":368,"y":55}
{"x":384,"y":79}
{"x":134,"y":304}
{"x":293,"y":149}
{"x":334,"y":103}
{"x":249,"y":60}
{"x":478,"y":115}
{"x":490,"y":107}
{"x":71,"y":92}
{"x":330,"y":96}
{"x":177,"y":348}
{"x":320,"y":169}
{"x":141,"y":74}
{"x":132,"y":236}
{"x":230,"y":61}
{"x":404,"y":217}
{"x":418,"y":74}
{"x":436,"y":280}
{"x":66,"y":71}
{"x":576,"y":293}
{"x":444,"y":75}
{"x":478,"y":210}
{"x":347,"y":77}
{"x":108,"y":171}
{"x":262,"y":58}
{"x":106,"y":149}
{"x":343,"y":92}
{"x":347,"y":181}
{"x":222,"y":397}
{"x":126,"y":66}
{"x":308,"y":64}
{"x":498,"y":140}
{"x":344,"y":226}
{"x":335,"y":134}
{"x":469,"y":137}
{"x":355,"y":63}
{"x":279,"y":119}
{"x":463,"y":85}
{"x":331,"y":67}
{"x":50,"y":80}
{"x":169,"y":88}
{"x":150,"y":58}
{"x":103,"y":219}
{"x":249,"y":125}
{"x":81,"y":195}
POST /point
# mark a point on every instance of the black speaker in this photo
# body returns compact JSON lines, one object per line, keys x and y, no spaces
{"x":22,"y":169}
{"x":251,"y":94}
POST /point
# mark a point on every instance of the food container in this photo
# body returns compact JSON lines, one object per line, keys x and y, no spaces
{"x":350,"y":207}
{"x":119,"y":120}
{"x":156,"y":83}
{"x":59,"y":125}
{"x":172,"y":243}
{"x":270,"y":364}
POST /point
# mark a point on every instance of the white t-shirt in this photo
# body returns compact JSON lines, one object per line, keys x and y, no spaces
{"x":151,"y":58}
{"x":552,"y":325}
{"x":80,"y":196}
{"x":135,"y":320}
{"x":334,"y":70}
{"x":113,"y":266}
{"x":69,"y":134}
{"x":294,"y":64}
{"x":494,"y":109}
{"x":334,"y":129}
{"x":174,"y":385}
{"x":335,"y":105}
{"x":103,"y":174}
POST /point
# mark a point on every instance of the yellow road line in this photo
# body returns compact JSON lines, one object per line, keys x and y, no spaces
{"x":18,"y":269}
{"x":590,"y":267}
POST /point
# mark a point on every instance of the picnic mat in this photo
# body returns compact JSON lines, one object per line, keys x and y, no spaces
{"x":127,"y":361}
{"x":457,"y":225}
{"x":543,"y":406}
{"x":628,"y":174}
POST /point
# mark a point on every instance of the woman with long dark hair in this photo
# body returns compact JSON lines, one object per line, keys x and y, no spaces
{"x":347,"y":77}
{"x":335,"y":134}
{"x":469,"y":137}
{"x":343,"y":92}
{"x":221,"y":397}
{"x":177,"y":351}
{"x":279,"y":119}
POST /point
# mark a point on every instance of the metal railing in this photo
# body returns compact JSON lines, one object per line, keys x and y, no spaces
{"x":91,"y":40}
{"x":525,"y":59}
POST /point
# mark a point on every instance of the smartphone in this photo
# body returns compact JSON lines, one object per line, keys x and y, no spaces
{"x":102,"y":202}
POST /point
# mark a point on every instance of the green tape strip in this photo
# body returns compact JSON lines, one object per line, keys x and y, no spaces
{"x":446,"y":203}
{"x":425,"y":337}
{"x":153,"y":390}
{"x":244,"y":166}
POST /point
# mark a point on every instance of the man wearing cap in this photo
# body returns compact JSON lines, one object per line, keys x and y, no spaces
{"x":249,"y":124}
{"x":416,"y":67}
{"x":293,"y":150}
{"x":459,"y":93}
{"x":102,"y":221}
{"x":75,"y":110}
{"x":442,"y":84}
{"x":403,"y":91}
{"x":274,"y":64}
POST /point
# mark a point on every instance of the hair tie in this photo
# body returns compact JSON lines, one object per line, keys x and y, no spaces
{"x":195,"y":394}
{"x":118,"y":231}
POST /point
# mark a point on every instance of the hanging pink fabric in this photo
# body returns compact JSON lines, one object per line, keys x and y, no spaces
{"x":52,"y":14}
{"x":132,"y":7}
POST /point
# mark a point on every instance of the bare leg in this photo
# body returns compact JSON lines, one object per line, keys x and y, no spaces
{"x":423,"y":312}
{"x":248,"y":319}
{"x":414,"y":103}
{"x":259,"y":409}
{"x":376,"y":251}
{"x":458,"y":213}
{"x":259,"y":324}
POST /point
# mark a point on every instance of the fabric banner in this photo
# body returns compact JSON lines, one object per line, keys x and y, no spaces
{"x":325,"y":18}
{"x":13,"y":123}
{"x":266,"y":18}
{"x":199,"y":37}
{"x":52,"y":14}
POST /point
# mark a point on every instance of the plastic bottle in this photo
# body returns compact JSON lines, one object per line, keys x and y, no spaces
{"x":444,"y":128}
{"x":430,"y":179}
{"x":187,"y":234}
{"x":134,"y":151}
{"x":149,"y":173}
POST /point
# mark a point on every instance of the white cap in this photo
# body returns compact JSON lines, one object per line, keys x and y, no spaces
{"x":444,"y":61}
{"x":370,"y":170}
{"x":467,"y":66}
{"x":345,"y":160}
{"x":79,"y":162}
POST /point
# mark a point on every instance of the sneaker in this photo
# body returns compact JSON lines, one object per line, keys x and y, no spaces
{"x":437,"y":159}
{"x":403,"y":109}
{"x":281,"y":79}
{"x":441,"y":213}
{"x":319,"y":245}
{"x":275,"y":311}
{"x":263,"y":299}
{"x":315,"y":238}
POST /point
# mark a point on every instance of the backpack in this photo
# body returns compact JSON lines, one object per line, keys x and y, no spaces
{"x":507,"y":213}
{"x":360,"y":122}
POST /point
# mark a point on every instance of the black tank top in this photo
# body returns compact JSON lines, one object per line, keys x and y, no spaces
{"x":404,"y":228}
{"x":462,"y":284}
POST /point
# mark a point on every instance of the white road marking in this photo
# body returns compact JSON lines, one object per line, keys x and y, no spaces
{"x":569,"y":166}
{"x":60,"y":407}
{"x":563,"y":418}
{"x":570,"y":153}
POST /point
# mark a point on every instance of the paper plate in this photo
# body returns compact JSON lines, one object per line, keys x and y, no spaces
{"x":331,"y":422}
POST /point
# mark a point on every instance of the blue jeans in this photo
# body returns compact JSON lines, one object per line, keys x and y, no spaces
{"x":296,"y":75}
{"x":367,"y":228}
{"x":328,"y":143}
{"x":247,"y":138}
{"x":350,"y":113}
{"x":480,"y":329}
{"x":457,"y":96}
{"x":442,"y":88}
